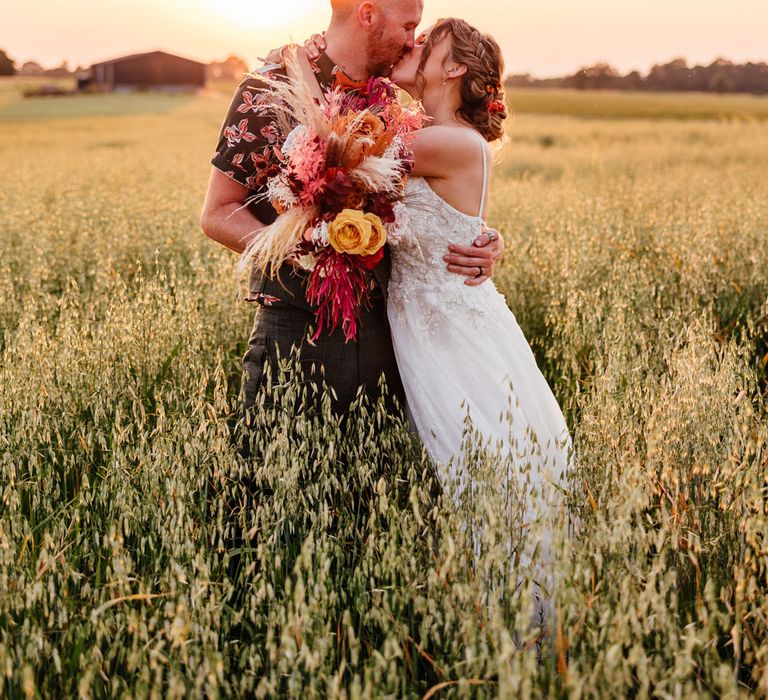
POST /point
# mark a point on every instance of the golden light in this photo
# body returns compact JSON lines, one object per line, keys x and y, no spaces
{"x":262,"y":14}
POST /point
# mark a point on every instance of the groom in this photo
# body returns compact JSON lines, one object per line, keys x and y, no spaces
{"x":364,"y":38}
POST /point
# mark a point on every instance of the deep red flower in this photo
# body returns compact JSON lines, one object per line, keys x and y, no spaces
{"x":337,"y":287}
{"x":370,"y":261}
{"x":337,"y":188}
{"x":382,"y":206}
{"x":259,"y":161}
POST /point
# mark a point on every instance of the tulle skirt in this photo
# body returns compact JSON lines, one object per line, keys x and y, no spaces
{"x":472,"y":384}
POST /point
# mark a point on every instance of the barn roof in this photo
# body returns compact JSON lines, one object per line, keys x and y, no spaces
{"x":120,"y":59}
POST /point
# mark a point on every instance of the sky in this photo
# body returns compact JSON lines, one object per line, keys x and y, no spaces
{"x":542,"y":37}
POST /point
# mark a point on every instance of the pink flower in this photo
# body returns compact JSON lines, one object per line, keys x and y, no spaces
{"x":306,"y":163}
{"x":335,"y":100}
{"x":379,"y":93}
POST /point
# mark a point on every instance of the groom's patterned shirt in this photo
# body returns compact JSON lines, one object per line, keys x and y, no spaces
{"x":245,"y":136}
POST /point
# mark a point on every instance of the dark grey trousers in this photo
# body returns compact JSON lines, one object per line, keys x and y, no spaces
{"x":346,"y":366}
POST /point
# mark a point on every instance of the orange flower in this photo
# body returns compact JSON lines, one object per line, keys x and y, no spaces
{"x":365,"y":138}
{"x":356,"y":198}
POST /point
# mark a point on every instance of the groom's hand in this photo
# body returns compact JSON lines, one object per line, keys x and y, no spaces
{"x":486,"y":250}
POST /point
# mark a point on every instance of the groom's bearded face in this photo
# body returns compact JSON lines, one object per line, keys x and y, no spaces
{"x":392,"y":34}
{"x":383,"y":51}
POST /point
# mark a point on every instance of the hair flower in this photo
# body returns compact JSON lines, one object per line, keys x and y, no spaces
{"x":493,"y":87}
{"x":497,"y":105}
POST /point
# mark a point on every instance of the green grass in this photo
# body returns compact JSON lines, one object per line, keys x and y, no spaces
{"x":614,"y":104}
{"x":608,"y":104}
{"x":14,"y":107}
{"x":13,"y":88}
{"x":142,"y":556}
{"x":65,"y":106}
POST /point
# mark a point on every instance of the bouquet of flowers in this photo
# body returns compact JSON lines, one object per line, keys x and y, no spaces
{"x":333,"y":170}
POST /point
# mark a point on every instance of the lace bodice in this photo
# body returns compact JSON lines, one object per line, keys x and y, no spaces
{"x":426,"y":224}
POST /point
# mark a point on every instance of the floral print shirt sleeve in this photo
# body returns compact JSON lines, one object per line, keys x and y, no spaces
{"x":245,"y":138}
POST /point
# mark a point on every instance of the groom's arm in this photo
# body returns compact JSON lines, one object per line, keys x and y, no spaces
{"x":238,"y":171}
{"x":224,"y":217}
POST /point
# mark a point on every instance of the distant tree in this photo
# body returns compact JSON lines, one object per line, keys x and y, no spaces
{"x":754,"y":77}
{"x":632,"y":81}
{"x":674,"y":75}
{"x":519,"y":80}
{"x":7,"y":66}
{"x":722,"y":80}
{"x":31,"y":68}
{"x":597,"y":77}
{"x":232,"y":68}
{"x":720,"y":76}
{"x":61,"y":71}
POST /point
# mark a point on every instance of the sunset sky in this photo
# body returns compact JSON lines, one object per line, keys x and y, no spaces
{"x":543,"y":37}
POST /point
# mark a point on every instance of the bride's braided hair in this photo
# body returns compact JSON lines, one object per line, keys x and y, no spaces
{"x":483,"y":104}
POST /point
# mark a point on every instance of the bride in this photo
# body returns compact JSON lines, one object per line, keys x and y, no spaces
{"x":455,"y":365}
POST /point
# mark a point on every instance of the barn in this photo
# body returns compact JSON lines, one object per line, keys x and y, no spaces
{"x":155,"y":70}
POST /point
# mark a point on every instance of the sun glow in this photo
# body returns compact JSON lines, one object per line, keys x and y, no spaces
{"x":262,"y":14}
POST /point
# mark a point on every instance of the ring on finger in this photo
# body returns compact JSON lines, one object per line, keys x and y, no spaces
{"x":491,"y":235}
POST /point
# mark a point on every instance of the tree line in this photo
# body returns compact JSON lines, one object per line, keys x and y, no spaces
{"x":719,"y":76}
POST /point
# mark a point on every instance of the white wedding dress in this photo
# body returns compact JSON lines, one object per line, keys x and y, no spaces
{"x":460,"y":350}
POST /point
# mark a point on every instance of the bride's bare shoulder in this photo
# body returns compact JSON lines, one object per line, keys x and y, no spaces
{"x":440,"y":149}
{"x":459,"y":139}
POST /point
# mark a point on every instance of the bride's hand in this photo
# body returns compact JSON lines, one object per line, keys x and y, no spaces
{"x":314,"y":46}
{"x":276,"y":55}
{"x":486,"y":250}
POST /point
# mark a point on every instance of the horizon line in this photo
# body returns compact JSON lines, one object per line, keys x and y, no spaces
{"x":531,"y":73}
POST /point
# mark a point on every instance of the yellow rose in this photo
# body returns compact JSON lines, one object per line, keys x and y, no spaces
{"x":356,"y":233}
{"x":378,"y":235}
{"x":349,"y":232}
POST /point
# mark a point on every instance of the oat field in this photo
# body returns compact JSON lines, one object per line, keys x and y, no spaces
{"x":141,"y":556}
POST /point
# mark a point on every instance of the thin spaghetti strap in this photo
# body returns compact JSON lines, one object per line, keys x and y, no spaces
{"x":485,"y":174}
